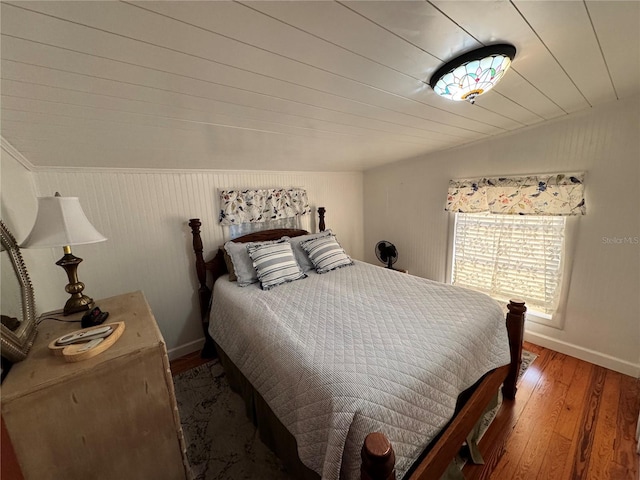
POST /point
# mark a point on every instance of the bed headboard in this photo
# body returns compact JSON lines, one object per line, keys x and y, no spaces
{"x":217,"y":267}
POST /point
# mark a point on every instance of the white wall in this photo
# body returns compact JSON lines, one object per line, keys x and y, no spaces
{"x":19,"y":204}
{"x":144,"y":214}
{"x":18,"y":191}
{"x":602,"y":319}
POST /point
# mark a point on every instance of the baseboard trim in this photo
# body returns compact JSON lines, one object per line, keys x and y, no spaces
{"x":591,"y":356}
{"x":185,"y":349}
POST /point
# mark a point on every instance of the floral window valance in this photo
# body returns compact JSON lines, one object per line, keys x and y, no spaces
{"x":557,"y":194}
{"x":244,"y":206}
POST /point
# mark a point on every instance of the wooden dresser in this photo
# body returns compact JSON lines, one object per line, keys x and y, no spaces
{"x":113,"y":416}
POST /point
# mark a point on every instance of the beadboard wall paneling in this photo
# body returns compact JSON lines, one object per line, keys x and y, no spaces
{"x":19,"y":205}
{"x":144,"y":215}
{"x":404,"y":203}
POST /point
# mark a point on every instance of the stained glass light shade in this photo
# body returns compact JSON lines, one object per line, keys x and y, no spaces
{"x":473,"y":73}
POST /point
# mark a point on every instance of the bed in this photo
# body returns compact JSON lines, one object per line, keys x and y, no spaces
{"x":337,"y":367}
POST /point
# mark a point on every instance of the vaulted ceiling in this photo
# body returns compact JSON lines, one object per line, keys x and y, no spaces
{"x":293,"y":85}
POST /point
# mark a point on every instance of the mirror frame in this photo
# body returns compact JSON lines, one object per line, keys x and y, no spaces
{"x":16,"y":344}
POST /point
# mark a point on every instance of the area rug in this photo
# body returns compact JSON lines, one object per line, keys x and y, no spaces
{"x":222,"y":443}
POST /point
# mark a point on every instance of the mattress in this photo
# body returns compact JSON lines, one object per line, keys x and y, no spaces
{"x":356,"y":350}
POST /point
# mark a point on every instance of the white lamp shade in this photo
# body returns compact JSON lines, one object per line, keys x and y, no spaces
{"x":61,"y":222}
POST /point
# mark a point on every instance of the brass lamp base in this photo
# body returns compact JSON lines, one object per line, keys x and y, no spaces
{"x":78,"y":302}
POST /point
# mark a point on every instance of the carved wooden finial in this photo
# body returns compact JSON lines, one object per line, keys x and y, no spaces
{"x":321,"y":212}
{"x":515,"y":328}
{"x":378,"y":458}
{"x":516,"y":306}
{"x":195,"y":223}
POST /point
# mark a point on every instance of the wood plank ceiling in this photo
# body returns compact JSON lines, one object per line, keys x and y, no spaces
{"x":301,"y":85}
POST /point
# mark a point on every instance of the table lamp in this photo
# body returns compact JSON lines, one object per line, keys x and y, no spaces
{"x":61,"y":222}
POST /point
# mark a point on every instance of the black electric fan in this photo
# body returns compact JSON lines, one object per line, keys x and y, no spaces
{"x":387,"y":253}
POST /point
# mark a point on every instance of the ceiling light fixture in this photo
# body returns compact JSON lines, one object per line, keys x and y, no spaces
{"x":473,"y":73}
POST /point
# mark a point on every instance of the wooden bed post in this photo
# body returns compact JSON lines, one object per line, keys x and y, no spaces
{"x":515,"y":329}
{"x":378,"y":458}
{"x":377,"y":454}
{"x":321,"y":212}
{"x":204,"y":292}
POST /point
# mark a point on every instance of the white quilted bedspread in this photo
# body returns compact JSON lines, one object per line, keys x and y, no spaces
{"x":357,"y":350}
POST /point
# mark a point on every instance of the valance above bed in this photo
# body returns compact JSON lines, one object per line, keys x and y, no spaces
{"x":253,"y":206}
{"x":556,"y":194}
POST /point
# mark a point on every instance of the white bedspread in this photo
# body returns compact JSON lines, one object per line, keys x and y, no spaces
{"x":357,"y":350}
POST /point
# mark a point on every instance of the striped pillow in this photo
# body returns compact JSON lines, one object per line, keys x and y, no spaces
{"x":326,"y":254}
{"x":274,"y":263}
{"x":242,"y":264}
{"x":301,"y":256}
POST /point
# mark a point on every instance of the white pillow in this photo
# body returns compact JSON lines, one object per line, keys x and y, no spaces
{"x":301,"y":256}
{"x":274,"y":264}
{"x":242,"y":262}
{"x":326,"y":254}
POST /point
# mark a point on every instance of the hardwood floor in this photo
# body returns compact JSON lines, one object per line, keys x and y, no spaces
{"x":187,"y":362}
{"x":571,"y":420}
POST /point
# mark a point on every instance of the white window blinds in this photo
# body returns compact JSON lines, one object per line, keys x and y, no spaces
{"x":510,"y":256}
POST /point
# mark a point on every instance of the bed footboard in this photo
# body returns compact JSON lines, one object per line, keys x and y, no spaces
{"x":377,"y":452}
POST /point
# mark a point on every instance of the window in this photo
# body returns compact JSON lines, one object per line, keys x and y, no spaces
{"x":510,"y":256}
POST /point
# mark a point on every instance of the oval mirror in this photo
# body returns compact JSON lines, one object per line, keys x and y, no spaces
{"x":17,"y":307}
